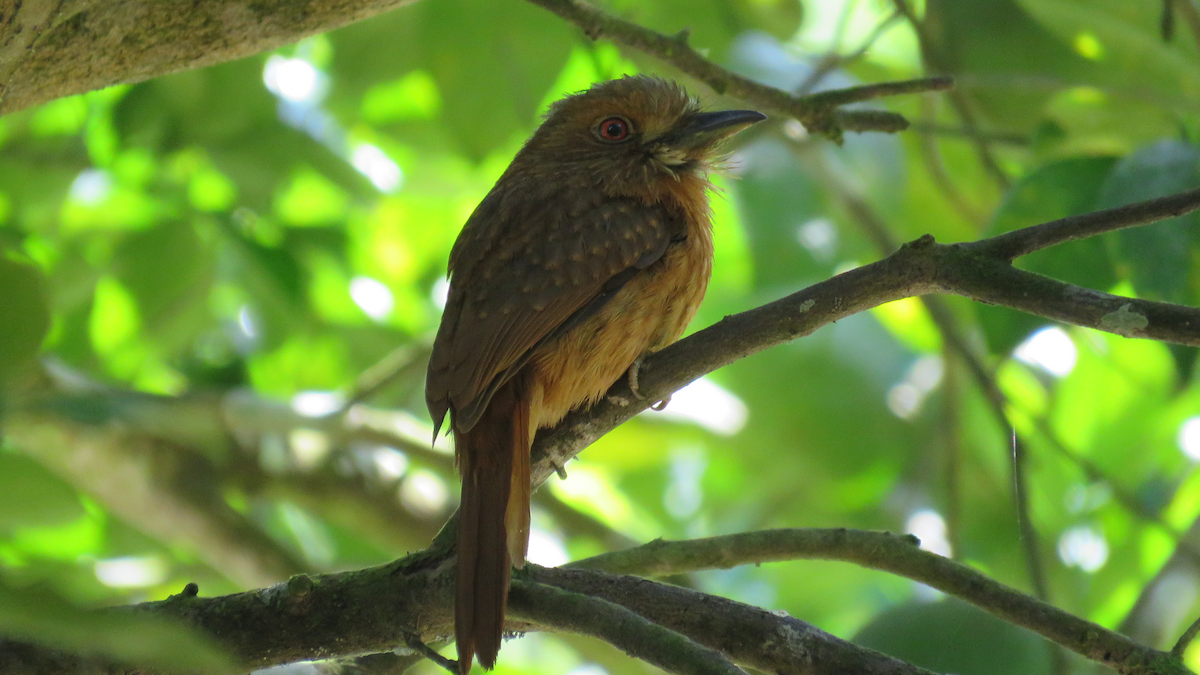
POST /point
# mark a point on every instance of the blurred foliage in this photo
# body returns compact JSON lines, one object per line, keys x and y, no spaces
{"x":279,"y":225}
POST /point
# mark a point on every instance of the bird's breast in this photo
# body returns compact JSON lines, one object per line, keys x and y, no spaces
{"x":650,"y":312}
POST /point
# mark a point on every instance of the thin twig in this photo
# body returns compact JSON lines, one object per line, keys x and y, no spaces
{"x":1186,"y":639}
{"x":1095,"y":474}
{"x":1012,"y":245}
{"x":899,"y":555}
{"x":386,"y":371}
{"x":831,"y":98}
{"x":835,"y":60}
{"x":918,"y":268}
{"x":1146,"y":620}
{"x":818,"y":113}
{"x":769,"y":642}
{"x":935,"y":129}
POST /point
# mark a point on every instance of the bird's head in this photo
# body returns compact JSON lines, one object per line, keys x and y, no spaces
{"x":632,"y":131}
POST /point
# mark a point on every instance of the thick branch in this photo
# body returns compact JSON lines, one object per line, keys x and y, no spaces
{"x":306,"y":618}
{"x":374,"y":610}
{"x":768,"y":641}
{"x":917,"y":268}
{"x":971,"y":270}
{"x":618,"y":626}
{"x":997,"y":283}
{"x":905,"y":273}
{"x":898,"y":555}
{"x":52,"y":48}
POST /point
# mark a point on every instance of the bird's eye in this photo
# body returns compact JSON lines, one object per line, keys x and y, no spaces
{"x":614,"y":129}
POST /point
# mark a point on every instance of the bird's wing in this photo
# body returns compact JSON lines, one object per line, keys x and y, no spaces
{"x":524,"y":279}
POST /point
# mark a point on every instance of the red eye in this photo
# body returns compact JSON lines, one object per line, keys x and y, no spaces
{"x":614,"y":129}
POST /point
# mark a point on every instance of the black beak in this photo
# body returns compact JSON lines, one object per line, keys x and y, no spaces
{"x":708,"y":129}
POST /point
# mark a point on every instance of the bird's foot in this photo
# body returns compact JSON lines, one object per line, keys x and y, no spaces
{"x":560,"y":469}
{"x":634,"y":369}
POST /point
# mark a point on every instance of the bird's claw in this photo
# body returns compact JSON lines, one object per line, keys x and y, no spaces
{"x":560,"y":469}
{"x":634,"y":369}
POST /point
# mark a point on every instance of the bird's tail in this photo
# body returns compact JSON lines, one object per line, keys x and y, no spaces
{"x":493,"y":524}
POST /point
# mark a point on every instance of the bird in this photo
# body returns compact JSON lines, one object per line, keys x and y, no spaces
{"x":593,"y":249}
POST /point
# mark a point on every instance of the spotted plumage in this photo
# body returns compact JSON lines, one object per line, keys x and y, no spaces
{"x":593,"y":248}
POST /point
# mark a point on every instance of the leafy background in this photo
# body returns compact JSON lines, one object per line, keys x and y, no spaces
{"x":196,"y":271}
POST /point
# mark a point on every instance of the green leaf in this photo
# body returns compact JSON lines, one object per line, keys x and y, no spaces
{"x":168,"y":271}
{"x":311,"y":199}
{"x":493,"y":60}
{"x":910,"y":323}
{"x":31,"y":496}
{"x":24,"y":315}
{"x":1125,"y":39}
{"x":63,"y":117}
{"x":996,"y":41}
{"x":951,"y":636}
{"x":792,"y":238}
{"x":1110,"y":403}
{"x":301,"y":363}
{"x":414,"y":96}
{"x":115,"y":320}
{"x":67,"y":541}
{"x":211,"y":190}
{"x":1158,"y":256}
{"x":1064,"y":188}
{"x":40,"y":617}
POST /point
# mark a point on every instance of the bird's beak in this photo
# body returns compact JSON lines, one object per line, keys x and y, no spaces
{"x":704,"y":130}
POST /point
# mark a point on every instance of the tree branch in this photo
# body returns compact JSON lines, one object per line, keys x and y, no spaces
{"x":1012,"y":245}
{"x":772,"y":642}
{"x":898,"y":555}
{"x":50,"y":48}
{"x":373,"y":610}
{"x":418,"y":602}
{"x":1186,"y":639}
{"x":921,"y":267}
{"x":818,"y":112}
{"x":625,"y":629}
{"x":1046,"y":234}
{"x":161,"y":487}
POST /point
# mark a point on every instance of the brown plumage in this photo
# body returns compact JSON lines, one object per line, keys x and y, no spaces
{"x":593,"y":248}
